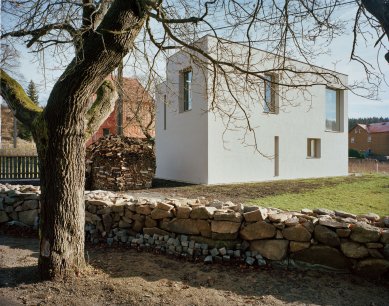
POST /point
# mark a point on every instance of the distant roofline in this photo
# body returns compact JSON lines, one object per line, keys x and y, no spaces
{"x":366,"y":126}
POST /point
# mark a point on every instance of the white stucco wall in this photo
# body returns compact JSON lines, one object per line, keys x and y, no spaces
{"x":181,"y":149}
{"x":212,"y":153}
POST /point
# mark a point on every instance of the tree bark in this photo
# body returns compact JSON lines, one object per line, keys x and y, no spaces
{"x":59,"y":133}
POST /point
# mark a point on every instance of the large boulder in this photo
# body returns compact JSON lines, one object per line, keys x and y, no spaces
{"x":372,"y":267}
{"x":259,"y":214}
{"x":324,"y":256}
{"x":270,"y":249}
{"x":354,"y":249}
{"x":327,"y":236}
{"x":183,"y":226}
{"x":28,"y":217}
{"x":296,"y":233}
{"x":225,"y":227}
{"x":158,"y":213}
{"x":3,"y":217}
{"x":364,"y":233}
{"x":202,"y":212}
{"x":258,"y":230}
{"x":228,"y":216}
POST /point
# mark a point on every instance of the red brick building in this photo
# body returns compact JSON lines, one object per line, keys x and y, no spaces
{"x":373,"y":137}
{"x":138,"y":113}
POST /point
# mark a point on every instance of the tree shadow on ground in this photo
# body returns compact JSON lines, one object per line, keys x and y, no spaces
{"x":25,"y":255}
{"x":120,"y":275}
{"x":308,"y":287}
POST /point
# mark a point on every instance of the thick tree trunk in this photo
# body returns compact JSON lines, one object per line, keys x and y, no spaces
{"x":62,"y":152}
{"x":62,"y":160}
{"x":59,"y":132}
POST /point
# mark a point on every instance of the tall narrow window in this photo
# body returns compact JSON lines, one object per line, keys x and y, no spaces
{"x":313,"y":148}
{"x":333,"y":110}
{"x":269,"y":94}
{"x":188,"y":90}
{"x":369,"y":138}
{"x":276,"y":156}
{"x":164,"y":112}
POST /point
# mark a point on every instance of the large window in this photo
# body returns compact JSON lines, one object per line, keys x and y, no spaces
{"x":313,"y":148}
{"x":333,"y":109}
{"x":269,"y":103}
{"x":187,"y":90}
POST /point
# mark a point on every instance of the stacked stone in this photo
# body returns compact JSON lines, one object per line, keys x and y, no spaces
{"x":120,"y":163}
{"x":223,"y":231}
{"x":19,"y":205}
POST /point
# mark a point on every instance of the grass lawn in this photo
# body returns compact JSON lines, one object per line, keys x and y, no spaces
{"x":369,"y":193}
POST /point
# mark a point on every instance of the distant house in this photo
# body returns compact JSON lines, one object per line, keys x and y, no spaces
{"x":138,"y":113}
{"x":195,"y":144}
{"x":370,"y":138}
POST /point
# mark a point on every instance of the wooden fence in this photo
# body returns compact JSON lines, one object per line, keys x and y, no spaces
{"x":19,"y":167}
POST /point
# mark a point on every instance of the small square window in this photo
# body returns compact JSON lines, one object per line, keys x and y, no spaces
{"x":313,"y":148}
{"x":106,"y":132}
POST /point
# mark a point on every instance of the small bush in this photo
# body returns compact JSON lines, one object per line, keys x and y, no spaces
{"x":355,"y":153}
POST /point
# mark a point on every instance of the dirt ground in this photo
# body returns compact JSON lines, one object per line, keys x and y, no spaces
{"x":127,"y":277}
{"x":240,"y":193}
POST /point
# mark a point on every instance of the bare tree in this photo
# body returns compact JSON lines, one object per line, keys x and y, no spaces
{"x":103,"y":32}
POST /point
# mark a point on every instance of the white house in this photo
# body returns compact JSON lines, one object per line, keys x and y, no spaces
{"x":228,"y":127}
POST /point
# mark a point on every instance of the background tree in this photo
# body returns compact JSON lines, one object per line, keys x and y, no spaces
{"x":32,"y":93}
{"x":103,"y":32}
{"x":354,"y":121}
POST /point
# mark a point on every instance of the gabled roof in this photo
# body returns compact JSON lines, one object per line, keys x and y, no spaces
{"x":380,"y":127}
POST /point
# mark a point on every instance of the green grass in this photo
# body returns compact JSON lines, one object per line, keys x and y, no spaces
{"x":370,"y":194}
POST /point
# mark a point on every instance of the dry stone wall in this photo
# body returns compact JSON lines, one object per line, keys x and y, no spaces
{"x":223,"y":231}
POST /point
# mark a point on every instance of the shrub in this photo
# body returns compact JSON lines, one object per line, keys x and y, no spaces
{"x":355,"y":153}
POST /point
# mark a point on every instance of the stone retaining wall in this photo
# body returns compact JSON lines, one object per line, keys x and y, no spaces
{"x":223,"y":231}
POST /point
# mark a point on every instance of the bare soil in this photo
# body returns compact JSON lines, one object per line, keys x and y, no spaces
{"x":240,"y":193}
{"x":119,"y":276}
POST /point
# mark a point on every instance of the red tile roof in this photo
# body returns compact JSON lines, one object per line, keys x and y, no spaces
{"x":381,"y":127}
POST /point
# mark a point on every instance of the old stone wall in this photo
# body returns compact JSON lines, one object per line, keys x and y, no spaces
{"x":223,"y":231}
